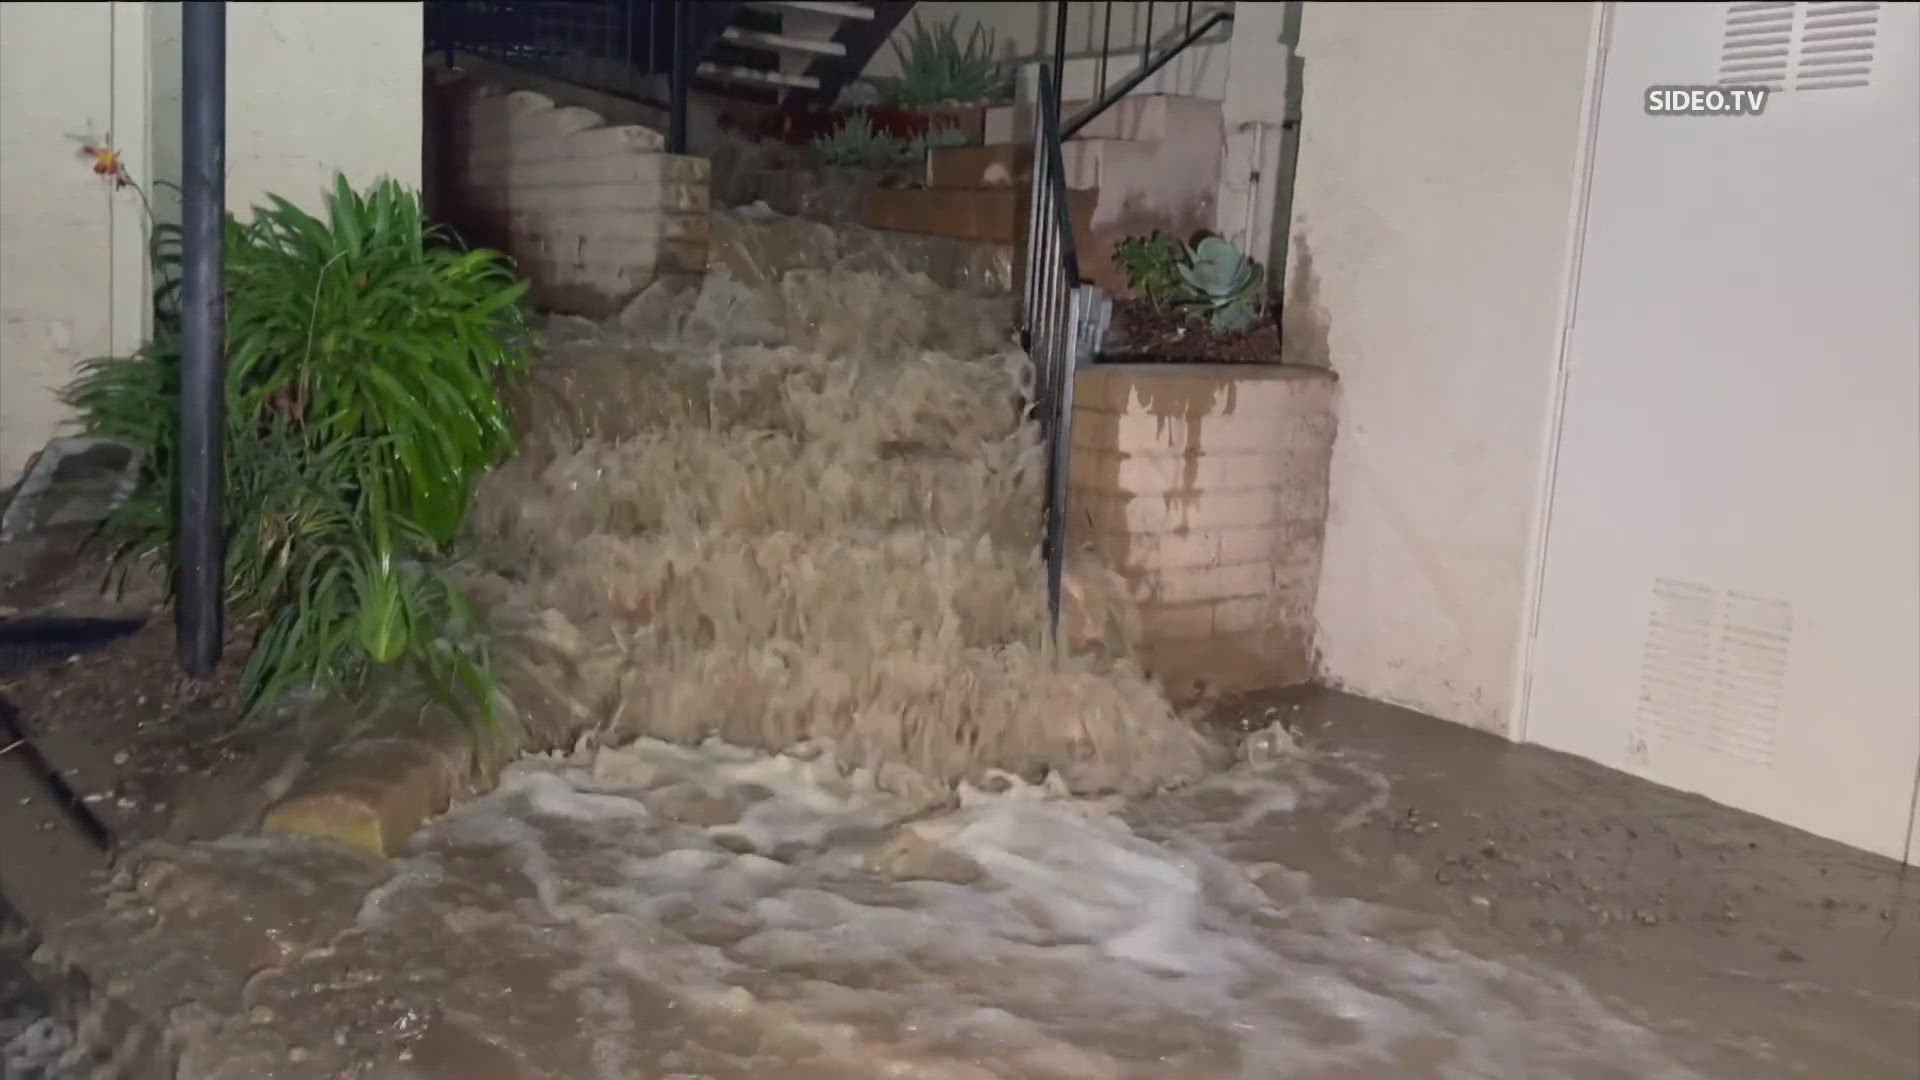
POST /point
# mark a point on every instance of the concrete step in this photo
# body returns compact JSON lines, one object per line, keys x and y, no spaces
{"x":815,"y":7}
{"x":1146,"y":118}
{"x":757,"y":76}
{"x":784,"y":43}
{"x":1089,"y":163}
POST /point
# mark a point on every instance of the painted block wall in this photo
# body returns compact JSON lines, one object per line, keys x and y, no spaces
{"x":311,"y":88}
{"x":1431,"y":230}
{"x":592,"y":213}
{"x":1206,"y":487}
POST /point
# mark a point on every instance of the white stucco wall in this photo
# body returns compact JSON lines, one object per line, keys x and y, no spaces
{"x":311,"y":88}
{"x":318,"y":87}
{"x":71,"y":267}
{"x":1432,"y":216}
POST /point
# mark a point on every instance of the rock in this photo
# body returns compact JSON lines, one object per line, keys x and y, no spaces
{"x":688,"y":805}
{"x":1268,"y":745}
{"x":911,"y":856}
{"x":76,"y":480}
{"x":623,"y":767}
{"x":660,"y":308}
{"x":372,"y":794}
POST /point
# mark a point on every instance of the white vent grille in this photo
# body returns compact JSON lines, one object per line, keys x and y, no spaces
{"x":1713,"y":672}
{"x":1782,"y":45}
{"x":1836,"y":46}
{"x":1757,"y":48}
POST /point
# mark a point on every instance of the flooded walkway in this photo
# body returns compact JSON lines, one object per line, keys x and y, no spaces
{"x":663,"y":911}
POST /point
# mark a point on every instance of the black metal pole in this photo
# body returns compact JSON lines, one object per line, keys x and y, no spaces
{"x":203,"y":123}
{"x":682,"y":76}
{"x":1106,"y":46}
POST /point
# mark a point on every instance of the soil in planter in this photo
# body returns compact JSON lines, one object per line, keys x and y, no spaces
{"x":1144,"y":332}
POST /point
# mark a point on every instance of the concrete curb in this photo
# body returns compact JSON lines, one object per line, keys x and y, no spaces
{"x":375,"y":789}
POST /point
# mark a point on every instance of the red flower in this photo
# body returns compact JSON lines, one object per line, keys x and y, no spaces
{"x":107,"y":163}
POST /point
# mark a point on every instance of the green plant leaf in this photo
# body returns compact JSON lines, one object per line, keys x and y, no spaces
{"x":367,"y":359}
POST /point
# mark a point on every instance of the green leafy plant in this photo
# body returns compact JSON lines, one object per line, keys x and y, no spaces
{"x":857,"y":143}
{"x":1221,"y":284}
{"x":938,"y":68}
{"x":366,"y":358}
{"x":1152,"y":265}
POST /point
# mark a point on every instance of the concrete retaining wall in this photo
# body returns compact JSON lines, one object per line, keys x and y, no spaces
{"x":592,"y":213}
{"x":1206,"y":485}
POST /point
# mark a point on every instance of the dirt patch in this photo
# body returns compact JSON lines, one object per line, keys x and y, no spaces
{"x":150,"y":752}
{"x":139,"y":742}
{"x":1144,"y":332}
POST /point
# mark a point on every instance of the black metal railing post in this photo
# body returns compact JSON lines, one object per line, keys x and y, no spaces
{"x":1056,"y":315}
{"x":201,"y":581}
{"x":682,"y":77}
{"x":1059,"y":66}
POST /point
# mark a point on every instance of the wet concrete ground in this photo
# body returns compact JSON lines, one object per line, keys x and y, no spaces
{"x":1400,"y":897}
{"x":1732,"y":933}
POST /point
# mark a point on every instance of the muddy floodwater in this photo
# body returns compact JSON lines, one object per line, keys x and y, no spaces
{"x":1379,"y":895}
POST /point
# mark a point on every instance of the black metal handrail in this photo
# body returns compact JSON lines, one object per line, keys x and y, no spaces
{"x":1190,"y":24}
{"x":1149,"y":66}
{"x":1060,"y":319}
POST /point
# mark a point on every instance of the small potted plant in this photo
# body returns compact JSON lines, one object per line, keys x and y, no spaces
{"x":1203,"y":302}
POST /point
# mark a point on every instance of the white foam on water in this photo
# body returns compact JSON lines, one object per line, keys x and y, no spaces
{"x":1079,"y":949}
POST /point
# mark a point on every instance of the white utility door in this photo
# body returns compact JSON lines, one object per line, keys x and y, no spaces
{"x":1731,"y":594}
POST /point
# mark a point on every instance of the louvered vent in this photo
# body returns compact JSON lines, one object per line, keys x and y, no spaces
{"x":1800,"y":46}
{"x":1836,"y":46}
{"x":1713,"y":671}
{"x":1757,"y":48}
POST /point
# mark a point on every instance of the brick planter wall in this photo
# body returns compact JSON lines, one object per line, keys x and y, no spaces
{"x":591,"y":213}
{"x":1206,"y":485}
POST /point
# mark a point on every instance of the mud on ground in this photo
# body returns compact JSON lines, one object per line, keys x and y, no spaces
{"x":1426,"y":902}
{"x":1729,"y":930}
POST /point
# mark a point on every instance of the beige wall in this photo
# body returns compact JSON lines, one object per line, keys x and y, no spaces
{"x":70,"y":248}
{"x":1206,"y":487}
{"x":311,"y":87}
{"x":1432,"y":218}
{"x":591,"y":213}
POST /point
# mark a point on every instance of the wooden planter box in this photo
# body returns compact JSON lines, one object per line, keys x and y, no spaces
{"x":997,"y":215}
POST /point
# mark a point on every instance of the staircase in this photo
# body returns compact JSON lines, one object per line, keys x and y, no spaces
{"x":1148,"y":162}
{"x":797,"y":52}
{"x":774,"y":52}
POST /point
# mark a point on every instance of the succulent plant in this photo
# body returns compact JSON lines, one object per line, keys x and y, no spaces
{"x":936,"y":68}
{"x":1152,"y":265}
{"x":936,"y":137}
{"x":1222,"y":284}
{"x":857,"y":143}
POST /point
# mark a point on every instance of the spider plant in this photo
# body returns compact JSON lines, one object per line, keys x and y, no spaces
{"x":366,"y":358}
